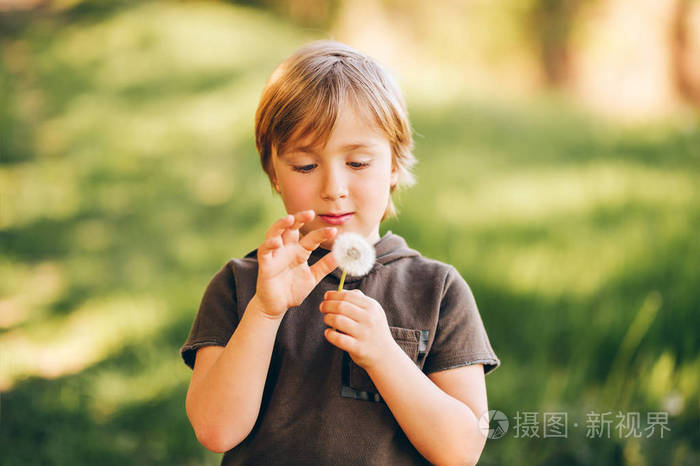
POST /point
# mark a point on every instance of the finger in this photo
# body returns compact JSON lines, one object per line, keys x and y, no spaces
{"x":342,"y":341}
{"x":270,"y":245}
{"x":341,"y":323}
{"x":291,"y":234}
{"x":305,"y":215}
{"x":350,"y":310}
{"x":311,"y":240}
{"x":279,"y":226}
{"x":323,"y":267}
{"x":356,"y":297}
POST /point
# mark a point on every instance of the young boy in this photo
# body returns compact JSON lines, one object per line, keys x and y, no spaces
{"x":287,"y":370}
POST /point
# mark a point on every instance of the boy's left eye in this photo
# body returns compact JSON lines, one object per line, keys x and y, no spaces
{"x":358,"y":164}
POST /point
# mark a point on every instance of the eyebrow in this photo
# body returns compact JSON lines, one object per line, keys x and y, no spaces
{"x":356,"y":145}
{"x":350,"y":147}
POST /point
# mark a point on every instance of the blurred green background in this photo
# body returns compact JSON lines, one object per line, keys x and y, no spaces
{"x":559,"y":162}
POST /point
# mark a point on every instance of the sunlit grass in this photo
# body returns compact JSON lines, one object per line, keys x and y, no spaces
{"x":542,"y":194}
{"x":54,"y":346}
{"x":28,"y":290}
{"x":563,"y":231}
{"x":114,"y":391}
{"x":34,"y":193}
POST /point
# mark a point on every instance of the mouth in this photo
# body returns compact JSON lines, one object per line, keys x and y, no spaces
{"x":336,"y":219}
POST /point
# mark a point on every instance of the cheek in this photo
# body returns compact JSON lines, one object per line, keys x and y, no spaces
{"x":374,"y":188}
{"x":297,"y":195}
{"x":380,"y":179}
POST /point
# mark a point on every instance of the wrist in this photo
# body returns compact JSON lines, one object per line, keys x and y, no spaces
{"x":257,"y":307}
{"x":389,"y":356}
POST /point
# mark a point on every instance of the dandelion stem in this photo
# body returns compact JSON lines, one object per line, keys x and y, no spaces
{"x":342,"y":280}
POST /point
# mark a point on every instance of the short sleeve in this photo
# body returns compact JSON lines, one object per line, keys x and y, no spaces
{"x":460,"y":338}
{"x":217,"y":317}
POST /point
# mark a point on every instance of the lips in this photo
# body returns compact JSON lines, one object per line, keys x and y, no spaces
{"x":336,"y":219}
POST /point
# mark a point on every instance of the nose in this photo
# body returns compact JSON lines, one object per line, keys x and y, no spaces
{"x":334,"y":184}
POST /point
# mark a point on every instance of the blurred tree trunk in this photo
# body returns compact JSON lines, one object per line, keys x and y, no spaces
{"x":306,"y":13}
{"x":682,"y":64}
{"x":552,"y":23}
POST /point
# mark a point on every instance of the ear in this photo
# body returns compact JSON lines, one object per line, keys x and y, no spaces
{"x":394,"y":177}
{"x":273,"y":178}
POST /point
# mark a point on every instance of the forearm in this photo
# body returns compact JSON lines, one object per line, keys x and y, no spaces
{"x":224,"y":403}
{"x":443,"y":429}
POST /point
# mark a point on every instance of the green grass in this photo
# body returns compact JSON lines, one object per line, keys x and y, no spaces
{"x":129,"y":175}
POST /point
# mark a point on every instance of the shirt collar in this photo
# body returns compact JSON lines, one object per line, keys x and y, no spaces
{"x":389,"y":248}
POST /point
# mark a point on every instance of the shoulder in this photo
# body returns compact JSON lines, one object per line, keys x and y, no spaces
{"x":434,"y":266}
{"x":425,"y":270}
{"x":235,"y":267}
{"x":233,"y":276}
{"x":246,"y":264}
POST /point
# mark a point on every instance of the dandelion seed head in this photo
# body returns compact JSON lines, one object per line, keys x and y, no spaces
{"x":354,"y":254}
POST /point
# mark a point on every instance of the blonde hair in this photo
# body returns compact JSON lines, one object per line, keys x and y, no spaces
{"x":305,"y":92}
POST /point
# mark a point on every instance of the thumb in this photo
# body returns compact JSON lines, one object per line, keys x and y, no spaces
{"x":323,"y":267}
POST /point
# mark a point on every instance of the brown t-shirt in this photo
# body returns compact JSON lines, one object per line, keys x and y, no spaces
{"x":318,"y":406}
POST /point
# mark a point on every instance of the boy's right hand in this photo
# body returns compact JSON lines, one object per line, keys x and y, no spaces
{"x":284,"y":276}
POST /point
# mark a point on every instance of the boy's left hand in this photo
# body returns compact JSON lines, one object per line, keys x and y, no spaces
{"x":362,"y":321}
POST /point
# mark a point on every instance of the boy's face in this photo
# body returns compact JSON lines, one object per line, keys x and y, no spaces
{"x":347,"y":182}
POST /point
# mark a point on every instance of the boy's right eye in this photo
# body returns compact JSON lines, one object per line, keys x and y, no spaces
{"x":304,"y":168}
